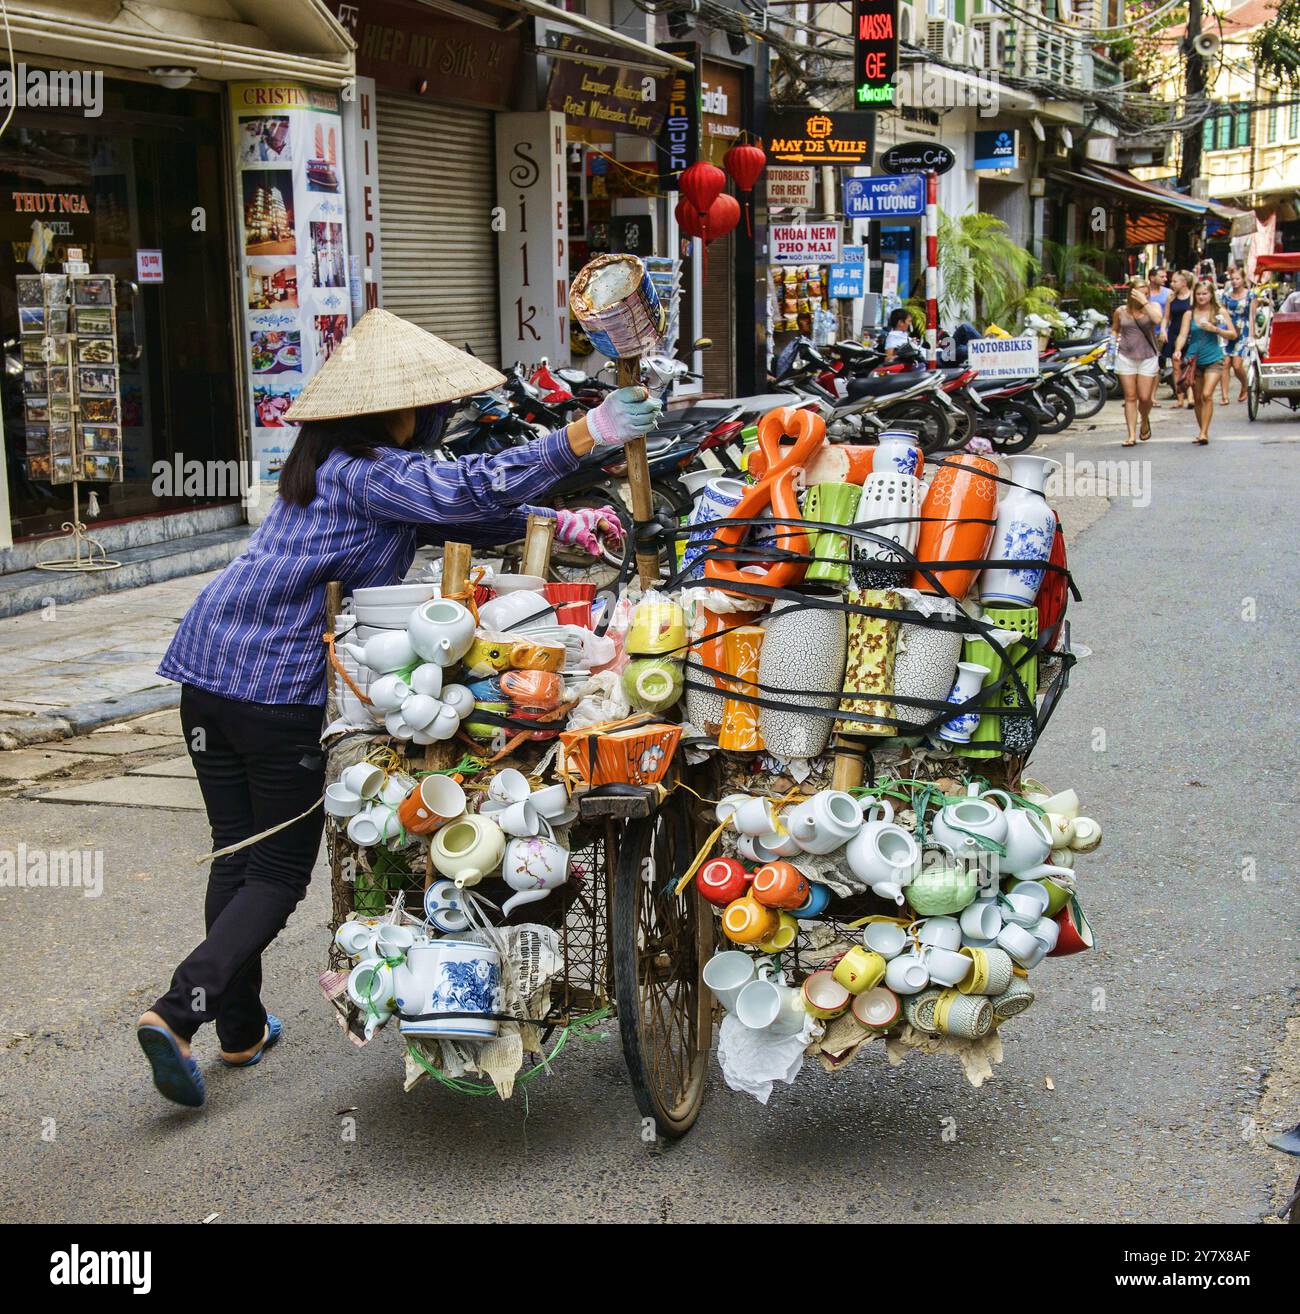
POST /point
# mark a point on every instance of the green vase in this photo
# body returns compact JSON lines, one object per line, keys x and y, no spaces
{"x":834,"y":504}
{"x":994,"y":723}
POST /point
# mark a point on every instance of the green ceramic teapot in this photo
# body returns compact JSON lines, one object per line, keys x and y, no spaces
{"x":939,"y":891}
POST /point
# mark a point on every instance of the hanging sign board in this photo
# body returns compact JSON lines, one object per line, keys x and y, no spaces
{"x":813,"y":136}
{"x":848,"y":278}
{"x":1003,"y":358}
{"x":998,"y":148}
{"x":148,"y":266}
{"x":793,"y":187}
{"x":917,"y":157}
{"x":602,"y":94}
{"x":804,"y":244}
{"x":889,"y":197}
{"x":679,"y":137}
{"x":875,"y":51}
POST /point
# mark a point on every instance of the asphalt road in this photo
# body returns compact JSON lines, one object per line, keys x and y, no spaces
{"x":1136,"y":1089}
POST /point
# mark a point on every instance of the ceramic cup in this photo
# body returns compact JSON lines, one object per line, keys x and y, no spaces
{"x":825,"y":997}
{"x":552,"y":803}
{"x":780,"y":885}
{"x":388,"y":693}
{"x":392,"y":941}
{"x":459,"y":699}
{"x":752,"y":849}
{"x":1046,"y":932}
{"x":366,"y":827}
{"x":888,"y":939}
{"x":435,"y":801}
{"x":362,"y":779}
{"x":767,"y":1004}
{"x":946,"y":966}
{"x":941,"y":932}
{"x":426,"y":679}
{"x":340,"y":802}
{"x":859,"y":970}
{"x":907,"y":974}
{"x":818,"y":900}
{"x":746,"y":921}
{"x":508,"y":786}
{"x":1026,"y":903}
{"x":519,"y":819}
{"x":966,"y":1016}
{"x":727,"y":973}
{"x":396,"y":726}
{"x":356,"y":939}
{"x":1024,"y":947}
{"x":877,"y":1008}
{"x":782,"y":937}
{"x":1014,"y":999}
{"x":981,"y":920}
{"x":754,"y":816}
{"x":990,"y":972}
{"x":721,"y":880}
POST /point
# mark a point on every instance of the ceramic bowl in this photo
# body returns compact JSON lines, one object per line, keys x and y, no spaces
{"x":393,"y":595}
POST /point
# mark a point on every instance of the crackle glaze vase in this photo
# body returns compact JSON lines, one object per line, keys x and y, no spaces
{"x":803,"y":651}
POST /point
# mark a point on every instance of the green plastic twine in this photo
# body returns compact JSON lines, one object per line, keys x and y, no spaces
{"x":464,"y":1087}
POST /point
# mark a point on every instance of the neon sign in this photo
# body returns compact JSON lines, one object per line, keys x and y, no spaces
{"x":875,"y":51}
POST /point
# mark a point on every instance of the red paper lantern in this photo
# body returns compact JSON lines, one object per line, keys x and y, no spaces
{"x":689,"y":219}
{"x":744,"y":163}
{"x":724,"y":215}
{"x":701,"y":184}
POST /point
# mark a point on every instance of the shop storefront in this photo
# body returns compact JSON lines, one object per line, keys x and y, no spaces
{"x":126,"y":181}
{"x":121,"y":289}
{"x":439,"y":83}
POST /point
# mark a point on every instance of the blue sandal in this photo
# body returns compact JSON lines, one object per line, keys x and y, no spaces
{"x":177,"y":1078}
{"x":273,"y":1028}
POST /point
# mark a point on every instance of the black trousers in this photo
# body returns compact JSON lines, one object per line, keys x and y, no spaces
{"x":258,"y":764}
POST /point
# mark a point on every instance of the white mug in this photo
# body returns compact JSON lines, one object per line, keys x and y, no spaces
{"x":942,"y":932}
{"x":363,"y":779}
{"x":980,"y":921}
{"x":907,"y":974}
{"x":508,"y":786}
{"x":340,"y":802}
{"x":946,"y":966}
{"x":388,"y":693}
{"x":727,"y":973}
{"x":754,"y":816}
{"x":356,"y":939}
{"x":1022,"y":944}
{"x":1026,"y":903}
{"x":419,"y":709}
{"x":519,"y":819}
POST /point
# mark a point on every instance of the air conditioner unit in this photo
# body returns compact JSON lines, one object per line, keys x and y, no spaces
{"x":907,"y":24}
{"x":947,"y":40}
{"x":976,"y":49}
{"x":996,"y":33}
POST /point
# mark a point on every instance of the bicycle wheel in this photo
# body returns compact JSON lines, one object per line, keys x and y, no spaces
{"x":660,"y":943}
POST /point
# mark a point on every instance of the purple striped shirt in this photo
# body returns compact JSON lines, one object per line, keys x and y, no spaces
{"x":254,"y":634}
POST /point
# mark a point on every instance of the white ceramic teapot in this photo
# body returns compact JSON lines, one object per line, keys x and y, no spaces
{"x":382,"y":653}
{"x":824,"y":822}
{"x":881,"y":853}
{"x":441,"y":631}
{"x":533,"y":865}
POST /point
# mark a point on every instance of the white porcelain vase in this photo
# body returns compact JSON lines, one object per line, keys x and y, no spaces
{"x":803,"y":650}
{"x":1025,"y":529}
{"x":891,"y":499}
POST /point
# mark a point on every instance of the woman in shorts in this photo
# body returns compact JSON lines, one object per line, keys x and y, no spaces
{"x":1137,"y":360}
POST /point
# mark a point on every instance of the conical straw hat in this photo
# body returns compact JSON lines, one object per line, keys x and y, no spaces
{"x":389,"y":364}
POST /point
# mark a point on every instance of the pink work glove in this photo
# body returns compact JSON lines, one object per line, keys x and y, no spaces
{"x":580,"y":526}
{"x":626,"y":413}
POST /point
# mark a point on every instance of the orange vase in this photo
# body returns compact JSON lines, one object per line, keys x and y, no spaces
{"x":958,"y":517}
{"x":740,"y":649}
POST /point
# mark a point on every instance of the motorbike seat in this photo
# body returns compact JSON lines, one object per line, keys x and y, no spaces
{"x":982,"y":384}
{"x":884,"y":385}
{"x":853,"y":352}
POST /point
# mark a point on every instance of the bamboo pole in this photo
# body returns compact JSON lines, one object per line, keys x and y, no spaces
{"x":638,"y":478}
{"x":537,"y":546}
{"x":456,"y":559}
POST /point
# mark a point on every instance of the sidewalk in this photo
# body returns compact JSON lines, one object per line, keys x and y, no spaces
{"x":71,"y":667}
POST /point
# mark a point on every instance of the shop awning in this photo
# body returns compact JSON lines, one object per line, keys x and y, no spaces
{"x":641,"y":53}
{"x":1242,"y":221}
{"x":252,"y":39}
{"x":974,"y":89}
{"x":1131,"y":189}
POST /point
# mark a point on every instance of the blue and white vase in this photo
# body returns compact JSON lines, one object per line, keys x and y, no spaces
{"x":714,"y":503}
{"x":1025,"y":529}
{"x":897,"y":452}
{"x":970,"y":678}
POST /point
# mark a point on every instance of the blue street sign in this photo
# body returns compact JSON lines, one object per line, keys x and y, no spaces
{"x":847,"y":281}
{"x":892,"y":197}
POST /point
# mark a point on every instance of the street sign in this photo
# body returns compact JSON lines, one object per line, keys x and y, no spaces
{"x":1003,"y":358}
{"x":890,"y":197}
{"x":848,"y":278}
{"x":917,"y":157}
{"x":998,"y":148}
{"x":813,"y":136}
{"x":875,"y":51}
{"x":803,"y":244}
{"x":792,"y":186}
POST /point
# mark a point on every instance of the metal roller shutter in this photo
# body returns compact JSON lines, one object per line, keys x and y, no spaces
{"x":437,"y":187}
{"x":718,"y":318}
